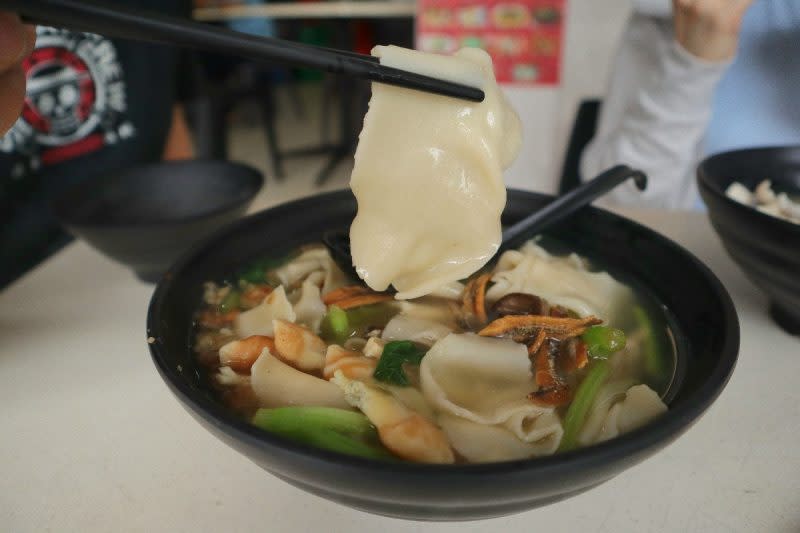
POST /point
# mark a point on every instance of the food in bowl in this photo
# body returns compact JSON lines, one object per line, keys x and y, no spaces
{"x":765,"y":199}
{"x":539,"y":354}
{"x":534,"y":355}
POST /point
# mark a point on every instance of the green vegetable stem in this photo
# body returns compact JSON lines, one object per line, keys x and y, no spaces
{"x":602,"y":341}
{"x":582,"y":403}
{"x":329,"y":428}
{"x":231,"y":301}
{"x":653,"y":356}
{"x":335,"y":325}
{"x":395,"y":354}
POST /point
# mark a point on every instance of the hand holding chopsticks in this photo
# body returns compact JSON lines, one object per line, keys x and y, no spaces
{"x":127,"y":23}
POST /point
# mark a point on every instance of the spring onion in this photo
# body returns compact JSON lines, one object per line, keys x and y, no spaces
{"x":231,"y":301}
{"x":329,"y":428}
{"x":602,"y":341}
{"x":582,"y":403}
{"x":335,"y":325}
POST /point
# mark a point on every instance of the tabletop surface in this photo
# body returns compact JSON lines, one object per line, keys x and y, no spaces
{"x":92,"y":440}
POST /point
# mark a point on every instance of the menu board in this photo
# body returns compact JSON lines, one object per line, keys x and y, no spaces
{"x":524,"y":37}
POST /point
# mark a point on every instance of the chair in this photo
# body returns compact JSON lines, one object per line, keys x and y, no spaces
{"x":583,"y":129}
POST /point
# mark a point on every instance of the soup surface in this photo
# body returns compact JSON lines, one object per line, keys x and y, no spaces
{"x":535,"y":354}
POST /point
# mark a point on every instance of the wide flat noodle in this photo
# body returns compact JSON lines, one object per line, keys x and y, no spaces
{"x":309,"y":308}
{"x":559,"y":280}
{"x":277,"y":384}
{"x":479,"y":443}
{"x":258,"y":320}
{"x":640,"y":405}
{"x":486,"y":381}
{"x":308,"y":262}
{"x":428,"y":175}
{"x":406,"y":328}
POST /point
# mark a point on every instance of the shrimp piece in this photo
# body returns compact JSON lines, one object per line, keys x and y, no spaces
{"x":241,"y":354}
{"x":352,"y":364}
{"x":215,"y":320}
{"x":298,"y":346}
{"x":406,"y":433}
{"x":254,"y":295}
{"x":355,"y":296}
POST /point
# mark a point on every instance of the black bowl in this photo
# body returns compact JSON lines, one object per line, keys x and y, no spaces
{"x":147,"y":216}
{"x":765,"y":247}
{"x":708,"y":343}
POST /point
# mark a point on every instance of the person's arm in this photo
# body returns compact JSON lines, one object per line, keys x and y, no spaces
{"x":659,"y":103}
{"x":179,"y":143}
{"x":16,"y":43}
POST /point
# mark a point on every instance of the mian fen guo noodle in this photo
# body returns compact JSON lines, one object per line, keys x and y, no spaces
{"x":468,"y":361}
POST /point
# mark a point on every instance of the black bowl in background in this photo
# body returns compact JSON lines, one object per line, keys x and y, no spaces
{"x":708,"y":342}
{"x":767,"y":248}
{"x":145,"y":217}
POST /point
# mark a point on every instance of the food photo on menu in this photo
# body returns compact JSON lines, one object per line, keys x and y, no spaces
{"x":362,"y":265}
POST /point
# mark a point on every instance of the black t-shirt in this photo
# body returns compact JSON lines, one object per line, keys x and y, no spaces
{"x":93,"y":106}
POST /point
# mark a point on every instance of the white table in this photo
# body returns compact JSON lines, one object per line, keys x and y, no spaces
{"x":92,"y":440}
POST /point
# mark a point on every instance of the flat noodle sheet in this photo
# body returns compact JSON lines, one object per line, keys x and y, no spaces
{"x":428,"y":175}
{"x":559,"y":280}
{"x":486,"y":381}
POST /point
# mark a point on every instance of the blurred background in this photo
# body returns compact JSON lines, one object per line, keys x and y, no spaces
{"x":299,"y":127}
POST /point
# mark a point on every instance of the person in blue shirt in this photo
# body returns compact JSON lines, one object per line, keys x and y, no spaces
{"x":693,"y":78}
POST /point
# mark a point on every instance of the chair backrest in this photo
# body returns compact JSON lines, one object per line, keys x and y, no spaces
{"x":583,"y":129}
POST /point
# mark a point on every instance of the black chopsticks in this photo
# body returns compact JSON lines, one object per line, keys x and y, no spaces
{"x":124,"y":22}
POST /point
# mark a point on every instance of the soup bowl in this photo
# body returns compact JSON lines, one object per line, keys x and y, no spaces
{"x":146,"y":216}
{"x":765,"y":247}
{"x":705,"y":328}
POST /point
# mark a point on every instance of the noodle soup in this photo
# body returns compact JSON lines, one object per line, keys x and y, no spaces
{"x":536,"y":354}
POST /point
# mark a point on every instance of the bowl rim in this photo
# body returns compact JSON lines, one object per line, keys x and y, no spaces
{"x":708,"y":184}
{"x":652,"y":435}
{"x":250,"y":177}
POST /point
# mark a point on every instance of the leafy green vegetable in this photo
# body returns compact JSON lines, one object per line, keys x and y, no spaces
{"x":253,"y":274}
{"x":653,"y":354}
{"x":231,"y":301}
{"x":395,"y":354}
{"x":335,"y":325}
{"x":584,"y":398}
{"x":602,"y":341}
{"x":329,"y":428}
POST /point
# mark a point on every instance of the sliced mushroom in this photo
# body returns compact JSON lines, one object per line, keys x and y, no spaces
{"x":520,"y":303}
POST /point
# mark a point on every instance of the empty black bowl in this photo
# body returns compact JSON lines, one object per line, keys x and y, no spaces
{"x":707,"y":334}
{"x":145,"y":217}
{"x":765,"y":247}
